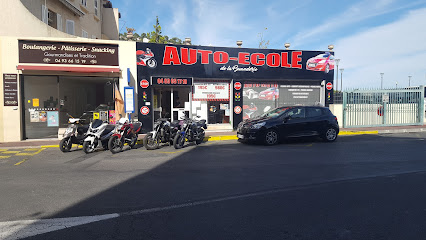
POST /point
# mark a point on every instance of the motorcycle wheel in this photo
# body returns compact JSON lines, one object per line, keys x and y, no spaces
{"x":179,"y":141}
{"x":132,"y":143}
{"x":115,"y":145}
{"x":149,"y":142}
{"x":65,"y":144}
{"x":201,"y":138}
{"x":88,"y":147}
{"x":151,"y":63}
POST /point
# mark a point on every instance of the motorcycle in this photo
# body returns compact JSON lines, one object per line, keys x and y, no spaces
{"x":125,"y":132}
{"x":74,"y":134}
{"x":146,"y":58}
{"x":192,"y":130}
{"x":164,"y":132}
{"x":98,"y":131}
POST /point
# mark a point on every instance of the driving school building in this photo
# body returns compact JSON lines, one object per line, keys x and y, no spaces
{"x":227,"y":85}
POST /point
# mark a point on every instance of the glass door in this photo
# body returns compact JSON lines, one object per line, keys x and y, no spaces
{"x":41,"y":106}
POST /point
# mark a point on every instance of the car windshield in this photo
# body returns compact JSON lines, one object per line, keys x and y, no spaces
{"x":323,"y":56}
{"x":274,"y":113}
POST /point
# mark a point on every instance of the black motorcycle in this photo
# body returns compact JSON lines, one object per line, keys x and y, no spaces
{"x":192,"y":131}
{"x":164,"y":132}
{"x":74,"y":134}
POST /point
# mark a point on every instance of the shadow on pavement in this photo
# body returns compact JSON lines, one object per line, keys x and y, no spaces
{"x":218,"y":171}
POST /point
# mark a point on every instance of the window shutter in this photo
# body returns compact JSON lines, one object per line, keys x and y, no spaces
{"x":44,"y":13}
{"x":59,"y":21}
{"x":70,"y":27}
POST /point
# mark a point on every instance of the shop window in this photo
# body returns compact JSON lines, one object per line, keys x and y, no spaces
{"x":259,"y":98}
{"x":307,"y":95}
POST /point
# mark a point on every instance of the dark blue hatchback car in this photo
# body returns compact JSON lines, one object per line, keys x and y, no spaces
{"x":287,"y":122}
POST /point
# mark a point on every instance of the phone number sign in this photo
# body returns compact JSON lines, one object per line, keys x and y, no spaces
{"x":211,"y":92}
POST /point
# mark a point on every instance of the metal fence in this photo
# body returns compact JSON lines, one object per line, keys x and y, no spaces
{"x":391,"y":107}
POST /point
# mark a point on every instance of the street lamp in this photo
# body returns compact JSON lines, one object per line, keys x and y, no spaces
{"x":341,"y":79}
{"x":409,"y":80}
{"x":337,"y":65}
{"x":239,"y":43}
{"x":396,"y":84}
{"x":381,"y":84}
{"x":287,"y":46}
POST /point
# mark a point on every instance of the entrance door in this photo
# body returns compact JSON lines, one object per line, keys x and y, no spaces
{"x":170,"y":102}
{"x":41,"y":106}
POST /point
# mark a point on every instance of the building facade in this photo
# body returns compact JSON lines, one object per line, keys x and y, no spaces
{"x":227,"y":85}
{"x":95,"y":19}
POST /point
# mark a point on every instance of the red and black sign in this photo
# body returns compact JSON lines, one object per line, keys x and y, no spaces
{"x":10,"y":89}
{"x":170,"y":81}
{"x":144,"y":83}
{"x":68,"y":53}
{"x":237,"y":85}
{"x":329,"y":86}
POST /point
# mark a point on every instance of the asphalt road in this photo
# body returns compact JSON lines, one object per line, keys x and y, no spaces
{"x":360,"y":187}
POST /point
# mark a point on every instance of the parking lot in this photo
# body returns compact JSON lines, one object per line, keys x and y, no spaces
{"x":359,"y":187}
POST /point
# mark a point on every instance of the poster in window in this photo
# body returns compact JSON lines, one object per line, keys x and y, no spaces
{"x":52,"y":119}
{"x":42,"y":116}
{"x":111,"y":116}
{"x":259,"y":98}
{"x":34,"y":116}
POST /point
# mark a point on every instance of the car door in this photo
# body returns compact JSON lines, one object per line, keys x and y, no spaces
{"x":314,"y":120}
{"x":293,"y":123}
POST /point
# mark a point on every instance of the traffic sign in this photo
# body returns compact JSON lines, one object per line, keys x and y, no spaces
{"x":237,"y":109}
{"x":144,"y":83}
{"x":237,"y":85}
{"x":329,"y":86}
{"x":144,"y":110}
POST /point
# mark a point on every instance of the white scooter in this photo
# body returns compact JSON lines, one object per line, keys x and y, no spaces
{"x":98,"y":131}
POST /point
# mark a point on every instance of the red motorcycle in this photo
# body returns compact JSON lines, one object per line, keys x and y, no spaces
{"x":125,"y":132}
{"x":146,"y":58}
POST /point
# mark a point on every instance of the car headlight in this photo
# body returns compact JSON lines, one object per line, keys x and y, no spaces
{"x":258,"y":125}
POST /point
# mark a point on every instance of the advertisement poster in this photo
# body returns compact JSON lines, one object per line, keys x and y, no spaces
{"x":95,"y":115}
{"x":129,"y":100}
{"x":211,"y":92}
{"x":42,"y":116}
{"x":104,"y":116}
{"x":52,"y":119}
{"x":259,"y":98}
{"x":10,"y":89}
{"x":34,"y":116}
{"x":112,"y":116}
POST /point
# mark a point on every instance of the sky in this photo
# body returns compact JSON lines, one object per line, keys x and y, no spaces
{"x":369,"y":36}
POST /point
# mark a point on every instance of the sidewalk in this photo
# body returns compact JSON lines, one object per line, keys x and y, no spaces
{"x":229,"y":135}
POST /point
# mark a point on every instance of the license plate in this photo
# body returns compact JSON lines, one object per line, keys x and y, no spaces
{"x":240,"y":136}
{"x":311,"y":64}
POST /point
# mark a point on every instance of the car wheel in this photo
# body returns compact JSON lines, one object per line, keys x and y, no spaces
{"x":330,"y":134}
{"x":327,"y":68}
{"x":270,"y":137}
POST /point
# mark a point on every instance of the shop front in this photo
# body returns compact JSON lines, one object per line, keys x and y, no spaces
{"x":60,"y":80}
{"x":228,"y":85}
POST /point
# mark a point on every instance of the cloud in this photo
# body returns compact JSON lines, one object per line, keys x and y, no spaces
{"x":397,"y":49}
{"x":356,"y":13}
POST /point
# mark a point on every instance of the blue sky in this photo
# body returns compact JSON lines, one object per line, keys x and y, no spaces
{"x":369,"y":36}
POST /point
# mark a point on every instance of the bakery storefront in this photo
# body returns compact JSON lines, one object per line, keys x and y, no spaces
{"x":227,"y":85}
{"x":60,"y":80}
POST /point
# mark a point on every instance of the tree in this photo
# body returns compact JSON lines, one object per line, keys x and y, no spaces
{"x":263,"y":43}
{"x":153,"y":37}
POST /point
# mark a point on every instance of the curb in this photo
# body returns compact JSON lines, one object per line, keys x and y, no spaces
{"x":234,"y":137}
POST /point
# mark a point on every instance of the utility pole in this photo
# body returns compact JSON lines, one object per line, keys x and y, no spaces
{"x":341,"y":79}
{"x":409,"y":80}
{"x":337,"y":65}
{"x":381,"y":84}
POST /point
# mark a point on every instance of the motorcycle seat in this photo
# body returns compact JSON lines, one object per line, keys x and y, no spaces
{"x":109,"y":128}
{"x":82,"y":129}
{"x":137,"y":125}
